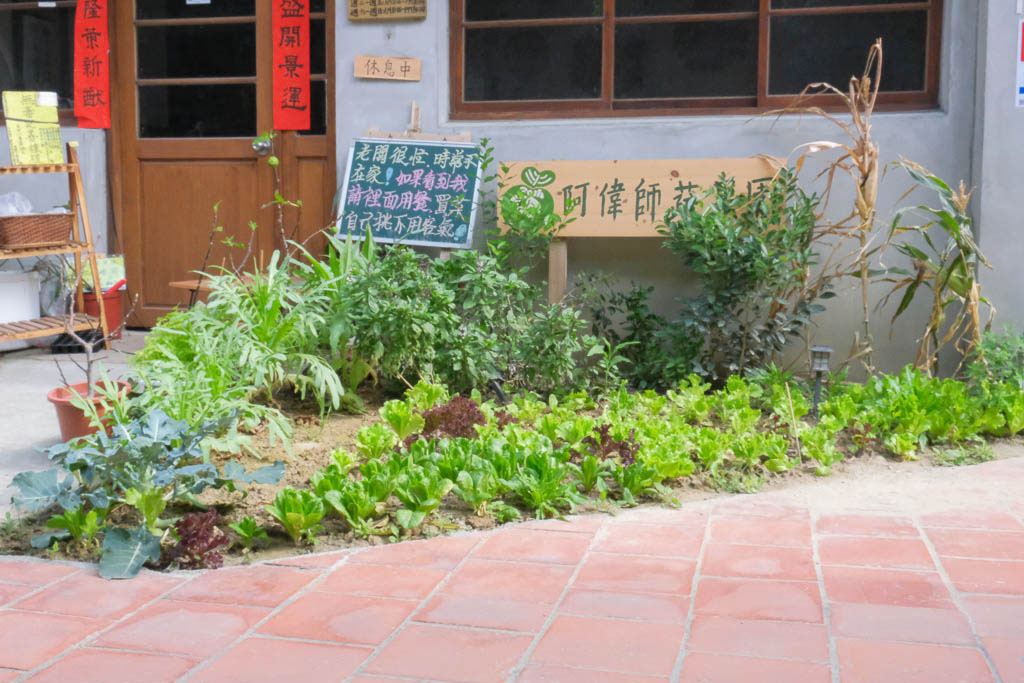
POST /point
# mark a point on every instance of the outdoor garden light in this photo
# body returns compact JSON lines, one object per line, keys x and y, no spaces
{"x":819,"y":365}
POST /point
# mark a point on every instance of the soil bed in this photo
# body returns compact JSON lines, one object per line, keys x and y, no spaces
{"x":311,"y":448}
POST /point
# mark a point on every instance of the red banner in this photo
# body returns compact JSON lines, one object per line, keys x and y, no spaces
{"x":92,"y":65}
{"x":291,"y":64}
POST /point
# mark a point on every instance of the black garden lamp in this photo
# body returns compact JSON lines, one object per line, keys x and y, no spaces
{"x":820,"y":356}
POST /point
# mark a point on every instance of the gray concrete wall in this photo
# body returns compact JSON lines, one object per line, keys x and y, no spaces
{"x":998,"y":163}
{"x":940,"y":139}
{"x":48,"y":191}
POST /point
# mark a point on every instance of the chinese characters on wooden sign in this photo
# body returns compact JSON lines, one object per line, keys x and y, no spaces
{"x":386,"y":10}
{"x":32,"y":128}
{"x":411,"y":191}
{"x":291,"y":64}
{"x":92,"y":65}
{"x":615,"y":198}
{"x":388,"y":68}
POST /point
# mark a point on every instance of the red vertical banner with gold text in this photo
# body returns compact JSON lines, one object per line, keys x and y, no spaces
{"x":291,"y":64}
{"x":92,"y":64}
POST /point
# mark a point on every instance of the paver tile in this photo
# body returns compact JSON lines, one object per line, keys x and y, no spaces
{"x":885,"y":587}
{"x":761,"y":562}
{"x":14,"y":591}
{"x":632,"y":573}
{"x":755,"y":599}
{"x":1008,"y":656}
{"x":875,"y":660}
{"x":759,"y":638}
{"x":263,"y":586}
{"x":357,"y":619}
{"x":484,"y":612}
{"x":782,"y":532}
{"x":650,"y":539}
{"x":33,"y":573}
{"x":550,"y":673}
{"x":866,"y":525}
{"x":90,"y":664}
{"x":314,"y":561}
{"x":27,"y":639}
{"x":629,"y":646}
{"x":87,"y":595}
{"x":509,"y":580}
{"x":890,"y":553}
{"x":980,"y":544}
{"x":450,"y":654}
{"x":437,"y":553}
{"x":993,"y":520}
{"x":1001,"y":617}
{"x":407,"y":583}
{"x":685,"y":517}
{"x":9,"y":675}
{"x":892,"y":623}
{"x":273,"y":659}
{"x":197,"y":629}
{"x":642,"y":606}
{"x":534,"y":545}
{"x":750,"y":506}
{"x":700,"y":667}
{"x":586,"y":524}
{"x":1004,"y":577}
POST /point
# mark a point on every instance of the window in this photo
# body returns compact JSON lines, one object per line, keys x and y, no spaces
{"x":565,"y":58}
{"x":36,"y":48}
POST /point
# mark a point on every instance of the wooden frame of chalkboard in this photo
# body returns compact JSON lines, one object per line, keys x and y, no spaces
{"x":419,"y":186}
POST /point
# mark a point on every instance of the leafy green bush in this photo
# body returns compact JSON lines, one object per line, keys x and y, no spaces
{"x":999,"y":357}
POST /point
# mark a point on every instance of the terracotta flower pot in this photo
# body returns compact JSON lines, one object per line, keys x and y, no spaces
{"x":73,"y":422}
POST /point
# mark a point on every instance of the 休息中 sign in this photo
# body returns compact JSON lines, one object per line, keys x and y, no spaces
{"x":415,"y":192}
{"x":612,"y":198}
{"x":387,"y":68}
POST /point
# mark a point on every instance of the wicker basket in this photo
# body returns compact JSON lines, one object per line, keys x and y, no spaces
{"x":35,"y":230}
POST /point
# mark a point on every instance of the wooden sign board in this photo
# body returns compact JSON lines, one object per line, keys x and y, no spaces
{"x":417,"y":192}
{"x":616,"y":198}
{"x":388,"y":68}
{"x":386,"y":10}
{"x":32,"y":127}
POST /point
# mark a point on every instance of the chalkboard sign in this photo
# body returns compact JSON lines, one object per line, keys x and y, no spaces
{"x":411,"y":191}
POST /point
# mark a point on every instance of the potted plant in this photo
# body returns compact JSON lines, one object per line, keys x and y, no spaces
{"x":81,"y":406}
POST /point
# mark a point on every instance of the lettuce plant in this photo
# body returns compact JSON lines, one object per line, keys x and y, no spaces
{"x":375,"y":440}
{"x":357,"y":505}
{"x":400,"y":415}
{"x":420,"y":490}
{"x":299,"y":512}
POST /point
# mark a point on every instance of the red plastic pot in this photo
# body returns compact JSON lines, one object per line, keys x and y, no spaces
{"x":73,"y":422}
{"x":112,"y":310}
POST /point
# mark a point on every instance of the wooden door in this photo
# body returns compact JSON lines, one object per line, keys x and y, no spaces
{"x":192,"y":90}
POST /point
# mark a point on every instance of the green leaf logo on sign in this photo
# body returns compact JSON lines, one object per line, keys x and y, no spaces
{"x":535,"y":178}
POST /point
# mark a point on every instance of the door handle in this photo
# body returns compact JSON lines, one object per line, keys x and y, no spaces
{"x":261,"y":147}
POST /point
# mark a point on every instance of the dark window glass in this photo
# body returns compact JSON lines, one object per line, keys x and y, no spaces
{"x":691,"y":59}
{"x":486,"y":10}
{"x":177,"y":9}
{"x":640,"y":8}
{"x":542,"y":63}
{"x":317,"y":46}
{"x":36,"y":51}
{"x":197,"y":111}
{"x":317,"y":109}
{"x":196,"y":51}
{"x":318,"y":6}
{"x":839,"y":46}
{"x":792,"y":4}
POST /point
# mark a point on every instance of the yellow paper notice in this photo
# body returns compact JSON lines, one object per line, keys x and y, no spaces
{"x":31,"y":120}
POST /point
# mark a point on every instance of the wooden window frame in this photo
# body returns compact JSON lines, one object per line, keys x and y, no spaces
{"x":606,"y":106}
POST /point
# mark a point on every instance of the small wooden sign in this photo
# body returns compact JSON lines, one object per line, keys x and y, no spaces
{"x":388,"y":68}
{"x":386,"y":10}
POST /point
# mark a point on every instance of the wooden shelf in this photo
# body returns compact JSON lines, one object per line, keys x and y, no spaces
{"x":41,"y":168}
{"x":25,"y":252}
{"x":44,"y":327}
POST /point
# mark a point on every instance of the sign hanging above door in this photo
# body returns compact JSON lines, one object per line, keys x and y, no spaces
{"x":386,"y":10}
